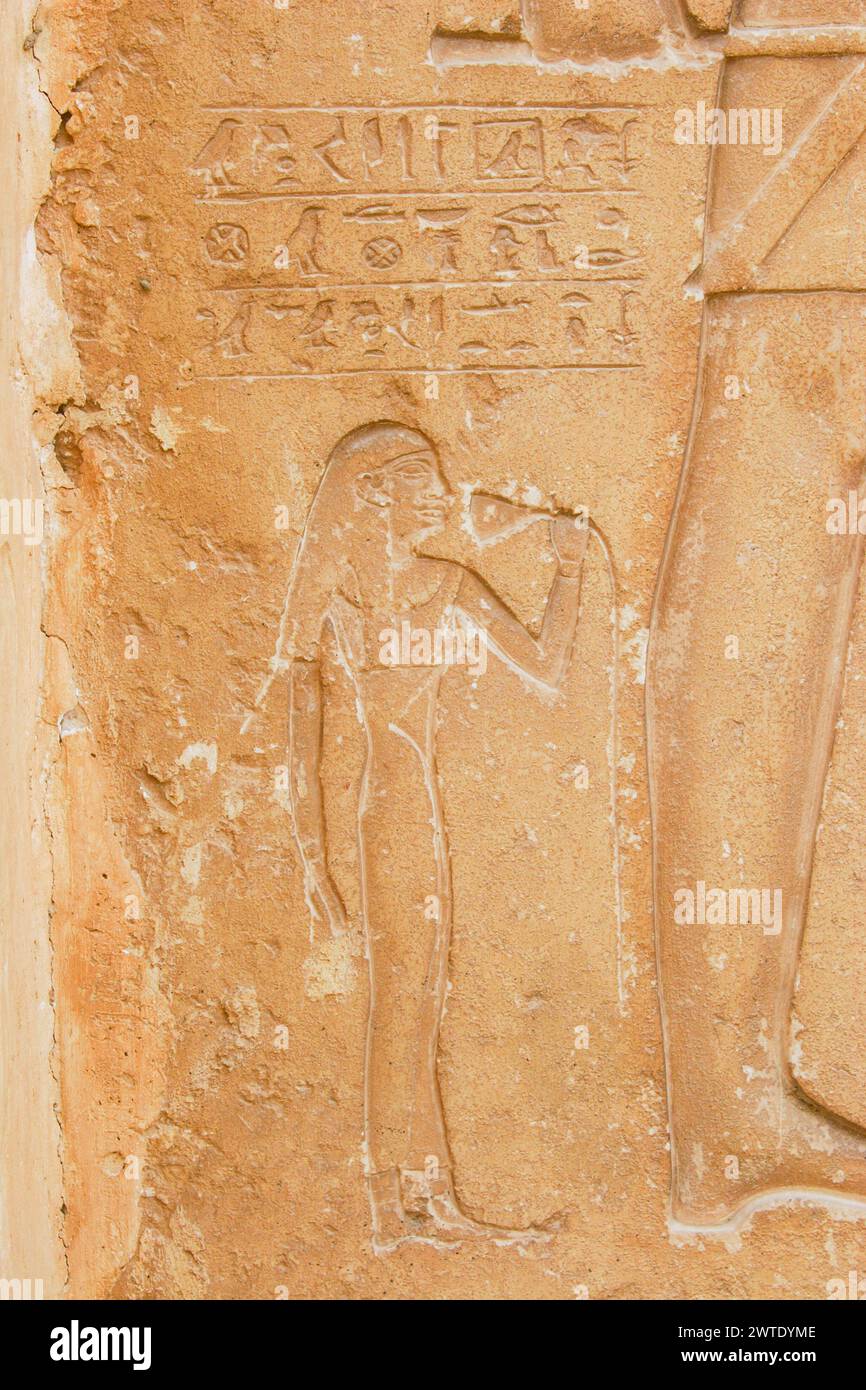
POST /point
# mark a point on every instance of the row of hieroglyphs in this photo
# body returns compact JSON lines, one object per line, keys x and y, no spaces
{"x":536,"y":211}
{"x":267,"y":153}
{"x":267,"y":330}
{"x":399,"y":239}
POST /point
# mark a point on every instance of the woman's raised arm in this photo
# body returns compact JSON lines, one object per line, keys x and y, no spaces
{"x":544,"y":658}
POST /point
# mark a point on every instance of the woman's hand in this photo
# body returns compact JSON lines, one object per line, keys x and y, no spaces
{"x":569,"y":535}
{"x":325,"y":900}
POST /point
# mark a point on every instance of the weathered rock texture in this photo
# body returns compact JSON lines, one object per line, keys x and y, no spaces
{"x":232,"y":935}
{"x":37,"y":367}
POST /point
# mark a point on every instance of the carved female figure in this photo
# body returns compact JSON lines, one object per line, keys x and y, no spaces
{"x":361,"y":569}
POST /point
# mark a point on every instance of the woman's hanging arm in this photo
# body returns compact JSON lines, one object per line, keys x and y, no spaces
{"x":305,"y":790}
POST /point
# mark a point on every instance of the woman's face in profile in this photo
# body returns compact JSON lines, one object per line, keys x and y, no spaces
{"x":419,"y":495}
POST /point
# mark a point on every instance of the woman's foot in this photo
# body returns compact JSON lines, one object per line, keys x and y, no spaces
{"x":414,"y":1230}
{"x":393,"y":1225}
{"x":440,"y":1205}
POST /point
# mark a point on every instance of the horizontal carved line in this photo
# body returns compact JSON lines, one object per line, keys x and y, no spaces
{"x":552,"y":280}
{"x":486,"y":370}
{"x":441,"y":106}
{"x":449,"y":192}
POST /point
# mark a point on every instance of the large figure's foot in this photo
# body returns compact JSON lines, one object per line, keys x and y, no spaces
{"x":810,"y":1157}
{"x":781,"y":1191}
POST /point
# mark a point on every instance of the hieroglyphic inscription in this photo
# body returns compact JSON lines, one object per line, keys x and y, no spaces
{"x":419,"y":239}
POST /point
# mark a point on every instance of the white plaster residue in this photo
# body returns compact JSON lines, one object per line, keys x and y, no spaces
{"x":698,"y":1161}
{"x":635,"y":651}
{"x":165,"y":428}
{"x":193,"y":913}
{"x":282,"y":796}
{"x":242,"y":1010}
{"x":157,"y":809}
{"x":330,"y":968}
{"x":45,"y":333}
{"x":532,"y":496}
{"x":200,"y":752}
{"x":74,"y":721}
{"x":795,"y":1050}
{"x":190,"y":869}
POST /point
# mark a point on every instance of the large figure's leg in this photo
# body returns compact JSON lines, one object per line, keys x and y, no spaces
{"x":746,"y":662}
